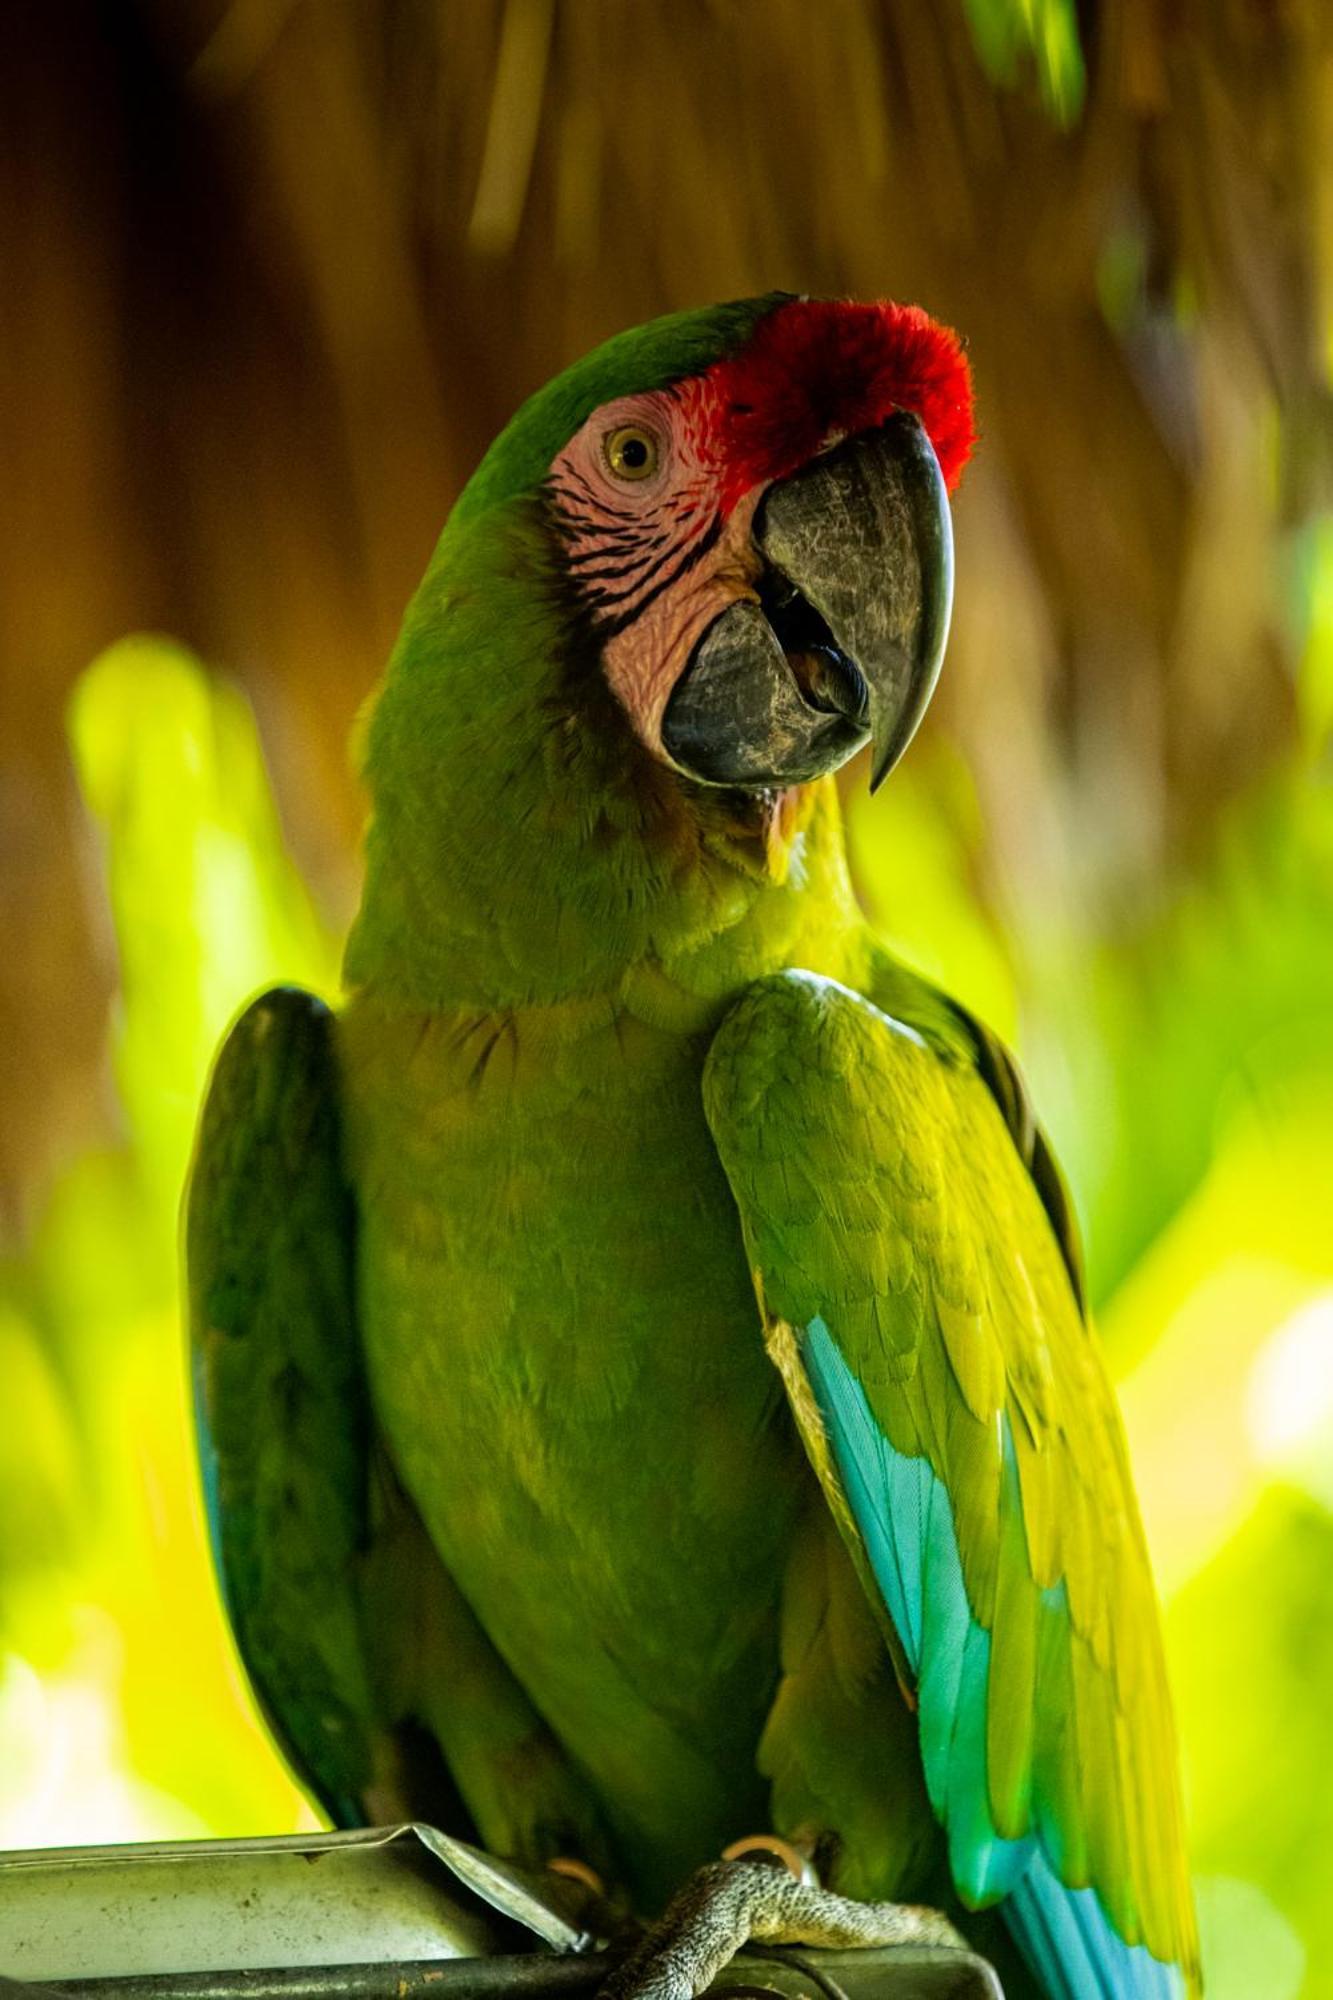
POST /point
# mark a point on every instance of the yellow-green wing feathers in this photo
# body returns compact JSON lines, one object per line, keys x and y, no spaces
{"x":913,"y":1273}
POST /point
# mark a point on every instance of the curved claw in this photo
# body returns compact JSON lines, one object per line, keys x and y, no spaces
{"x":575,"y":1870}
{"x":778,"y":1850}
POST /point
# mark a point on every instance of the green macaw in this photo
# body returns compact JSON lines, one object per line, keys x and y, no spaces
{"x":644,"y":1386}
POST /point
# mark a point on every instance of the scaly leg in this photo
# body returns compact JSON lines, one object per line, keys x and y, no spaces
{"x":728,"y":1903}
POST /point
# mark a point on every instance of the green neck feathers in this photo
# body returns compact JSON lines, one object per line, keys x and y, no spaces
{"x":524,"y":847}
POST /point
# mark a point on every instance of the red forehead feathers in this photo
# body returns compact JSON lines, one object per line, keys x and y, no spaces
{"x":818,"y":367}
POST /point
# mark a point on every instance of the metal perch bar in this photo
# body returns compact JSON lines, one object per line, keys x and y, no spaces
{"x":383,"y":1914}
{"x":870,"y":1975}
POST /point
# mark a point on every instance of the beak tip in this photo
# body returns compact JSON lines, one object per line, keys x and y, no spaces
{"x":889,"y":739}
{"x":893,"y":728}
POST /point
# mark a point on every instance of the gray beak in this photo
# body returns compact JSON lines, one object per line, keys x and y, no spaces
{"x":846,"y":640}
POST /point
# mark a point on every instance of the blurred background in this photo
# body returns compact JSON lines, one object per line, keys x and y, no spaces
{"x":272,"y":272}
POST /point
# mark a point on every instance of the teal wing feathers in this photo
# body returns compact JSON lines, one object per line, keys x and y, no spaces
{"x":302,"y":1509}
{"x":919,"y":1295}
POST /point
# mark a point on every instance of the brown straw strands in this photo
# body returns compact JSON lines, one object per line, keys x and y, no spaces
{"x":274,"y":272}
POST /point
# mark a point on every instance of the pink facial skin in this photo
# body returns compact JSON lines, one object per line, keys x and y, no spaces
{"x":657,"y":558}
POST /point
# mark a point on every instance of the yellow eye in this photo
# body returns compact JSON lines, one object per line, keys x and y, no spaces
{"x":630,"y":452}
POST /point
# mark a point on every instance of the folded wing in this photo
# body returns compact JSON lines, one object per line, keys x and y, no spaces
{"x":920,"y":1305}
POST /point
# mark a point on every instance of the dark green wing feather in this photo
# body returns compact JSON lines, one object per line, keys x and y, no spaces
{"x":302,"y":1508}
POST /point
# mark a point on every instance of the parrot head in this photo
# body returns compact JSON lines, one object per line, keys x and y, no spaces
{"x":760,"y":542}
{"x":763,"y":548}
{"x":694,"y":574}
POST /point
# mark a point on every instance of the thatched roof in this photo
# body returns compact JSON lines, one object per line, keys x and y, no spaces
{"x":274,"y":272}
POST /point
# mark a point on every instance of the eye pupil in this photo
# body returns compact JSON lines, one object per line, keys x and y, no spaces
{"x":631,"y":452}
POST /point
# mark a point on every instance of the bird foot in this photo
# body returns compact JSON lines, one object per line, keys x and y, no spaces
{"x":732,"y":1903}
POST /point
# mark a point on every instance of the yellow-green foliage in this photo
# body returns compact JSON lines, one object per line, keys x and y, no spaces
{"x":121,"y":1710}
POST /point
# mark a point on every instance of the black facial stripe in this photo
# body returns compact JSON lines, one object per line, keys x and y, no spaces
{"x":693,"y":548}
{"x":592,"y":498}
{"x":612,"y":562}
{"x":629,"y":541}
{"x":603,"y":578}
{"x":608,"y":627}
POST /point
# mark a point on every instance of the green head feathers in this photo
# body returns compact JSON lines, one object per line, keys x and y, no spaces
{"x":642,"y":358}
